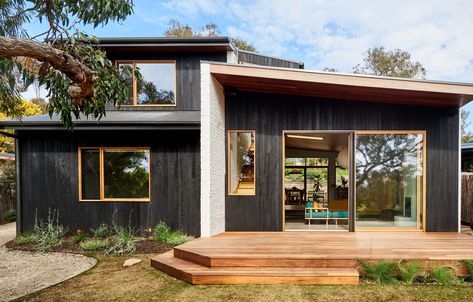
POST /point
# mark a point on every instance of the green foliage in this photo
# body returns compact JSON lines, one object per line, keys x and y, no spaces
{"x":49,"y":234}
{"x":102,"y":231}
{"x":408,"y":272}
{"x":394,"y":63}
{"x":123,"y":240}
{"x":162,"y":232}
{"x":25,"y":238}
{"x":94,"y":244}
{"x":41,"y":103}
{"x":468,"y":264}
{"x":78,"y":237}
{"x":466,"y":134}
{"x":381,"y":271}
{"x":444,"y":275}
{"x":242,"y":44}
{"x":62,"y":19}
{"x":9,"y":215}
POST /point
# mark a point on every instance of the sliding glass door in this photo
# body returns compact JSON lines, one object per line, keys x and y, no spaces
{"x":389,"y":179}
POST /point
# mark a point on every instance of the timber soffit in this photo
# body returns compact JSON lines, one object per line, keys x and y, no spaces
{"x":297,"y":81}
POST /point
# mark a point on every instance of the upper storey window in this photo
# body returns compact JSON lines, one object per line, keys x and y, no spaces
{"x":153,"y":83}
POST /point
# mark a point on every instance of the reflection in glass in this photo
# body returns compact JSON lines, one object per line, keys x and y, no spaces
{"x":126,"y":174}
{"x":389,"y":180}
{"x":155,"y":83}
{"x":242,"y":163}
{"x":126,"y":73}
{"x":90,"y":174}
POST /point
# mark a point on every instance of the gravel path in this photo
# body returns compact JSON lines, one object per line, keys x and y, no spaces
{"x":22,"y":273}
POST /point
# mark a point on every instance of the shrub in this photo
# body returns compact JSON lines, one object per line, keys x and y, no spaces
{"x":78,"y":237}
{"x":381,"y":271}
{"x":102,"y":231}
{"x":123,"y":241}
{"x":49,"y":235}
{"x":162,"y":232}
{"x":408,"y":272}
{"x":94,"y":244}
{"x":9,"y":215}
{"x":25,"y":238}
{"x":468,"y":264}
{"x":444,"y":275}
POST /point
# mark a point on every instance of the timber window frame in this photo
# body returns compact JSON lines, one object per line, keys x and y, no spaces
{"x":102,"y":151}
{"x":135,"y":92}
{"x":229,"y":163}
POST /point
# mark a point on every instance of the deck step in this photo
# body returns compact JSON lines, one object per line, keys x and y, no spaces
{"x":197,"y":274}
{"x":266,"y":260}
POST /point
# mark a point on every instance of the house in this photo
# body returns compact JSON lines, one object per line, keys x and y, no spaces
{"x":216,"y":139}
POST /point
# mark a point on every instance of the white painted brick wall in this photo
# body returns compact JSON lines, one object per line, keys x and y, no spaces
{"x":212,"y":155}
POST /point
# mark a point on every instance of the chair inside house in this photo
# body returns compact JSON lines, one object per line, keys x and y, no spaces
{"x":316,"y":181}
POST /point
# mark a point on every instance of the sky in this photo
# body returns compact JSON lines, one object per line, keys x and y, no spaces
{"x":332,"y":33}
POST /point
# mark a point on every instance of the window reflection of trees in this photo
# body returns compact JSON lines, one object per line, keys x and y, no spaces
{"x":148,"y":93}
{"x":385,"y":165}
{"x":126,"y":174}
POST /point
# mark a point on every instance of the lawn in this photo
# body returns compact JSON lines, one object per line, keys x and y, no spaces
{"x":109,"y":281}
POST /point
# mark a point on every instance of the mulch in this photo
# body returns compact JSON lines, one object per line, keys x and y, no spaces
{"x":143,"y":246}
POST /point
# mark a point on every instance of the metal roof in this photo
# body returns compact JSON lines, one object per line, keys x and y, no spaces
{"x":124,"y":119}
{"x":217,"y":43}
{"x":467,"y":146}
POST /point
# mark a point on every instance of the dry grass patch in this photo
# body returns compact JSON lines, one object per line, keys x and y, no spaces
{"x":109,"y":281}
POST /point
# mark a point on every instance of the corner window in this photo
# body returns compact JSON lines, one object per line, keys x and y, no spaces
{"x":153,"y":83}
{"x":241,"y":162}
{"x":114,"y":174}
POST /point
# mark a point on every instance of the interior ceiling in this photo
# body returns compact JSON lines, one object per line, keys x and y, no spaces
{"x":334,"y":142}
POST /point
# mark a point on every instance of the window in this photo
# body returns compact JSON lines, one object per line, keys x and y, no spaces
{"x":390,"y":179}
{"x":114,"y":174}
{"x":241,"y":162}
{"x":153,"y":83}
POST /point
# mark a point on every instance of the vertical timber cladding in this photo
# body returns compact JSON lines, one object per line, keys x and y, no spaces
{"x":270,"y":114}
{"x":49,"y":174}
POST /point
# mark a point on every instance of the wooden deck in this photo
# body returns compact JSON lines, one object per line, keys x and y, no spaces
{"x":304,"y":257}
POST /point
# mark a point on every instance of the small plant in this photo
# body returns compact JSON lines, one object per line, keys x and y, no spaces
{"x":9,"y":215}
{"x":49,"y":235}
{"x":78,"y":237}
{"x":468,"y":264}
{"x":381,"y":271}
{"x":123,"y":241}
{"x":102,"y":231}
{"x":162,"y":232}
{"x":444,"y":275}
{"x":408,"y":272}
{"x":94,"y":244}
{"x":25,"y":238}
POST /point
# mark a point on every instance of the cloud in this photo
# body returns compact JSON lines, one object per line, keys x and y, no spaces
{"x":336,"y":33}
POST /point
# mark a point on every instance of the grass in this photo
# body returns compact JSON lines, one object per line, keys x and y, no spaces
{"x":444,"y":275}
{"x":94,"y":244}
{"x":109,"y":281}
{"x":162,"y":232}
{"x":381,"y":271}
{"x":408,"y":272}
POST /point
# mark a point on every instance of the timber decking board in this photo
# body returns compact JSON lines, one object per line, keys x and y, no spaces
{"x":279,"y":247}
{"x":197,"y":274}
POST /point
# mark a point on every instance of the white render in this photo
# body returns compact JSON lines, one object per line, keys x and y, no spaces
{"x":232,"y":57}
{"x":212,"y":154}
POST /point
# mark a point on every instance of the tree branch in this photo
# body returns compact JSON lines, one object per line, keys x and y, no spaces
{"x":82,"y":77}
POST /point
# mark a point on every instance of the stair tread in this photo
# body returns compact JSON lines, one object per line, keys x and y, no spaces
{"x":196,"y":269}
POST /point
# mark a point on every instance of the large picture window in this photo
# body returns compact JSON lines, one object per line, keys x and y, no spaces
{"x":153,"y":83}
{"x":114,"y":174}
{"x":241,"y":162}
{"x":390,"y":179}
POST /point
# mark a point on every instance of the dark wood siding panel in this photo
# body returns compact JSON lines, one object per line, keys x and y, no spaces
{"x":50,"y":179}
{"x":258,"y":59}
{"x":187,"y":77}
{"x":270,"y":114}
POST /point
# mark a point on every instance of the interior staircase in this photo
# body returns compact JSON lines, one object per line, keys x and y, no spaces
{"x":200,"y":268}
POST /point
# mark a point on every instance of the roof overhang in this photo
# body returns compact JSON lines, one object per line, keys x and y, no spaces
{"x":167,"y":44}
{"x":113,"y":120}
{"x":341,"y":86}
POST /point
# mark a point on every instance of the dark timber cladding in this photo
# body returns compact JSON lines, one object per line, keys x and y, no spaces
{"x":187,"y":75}
{"x":49,"y":165}
{"x":259,"y":59}
{"x":270,"y":114}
